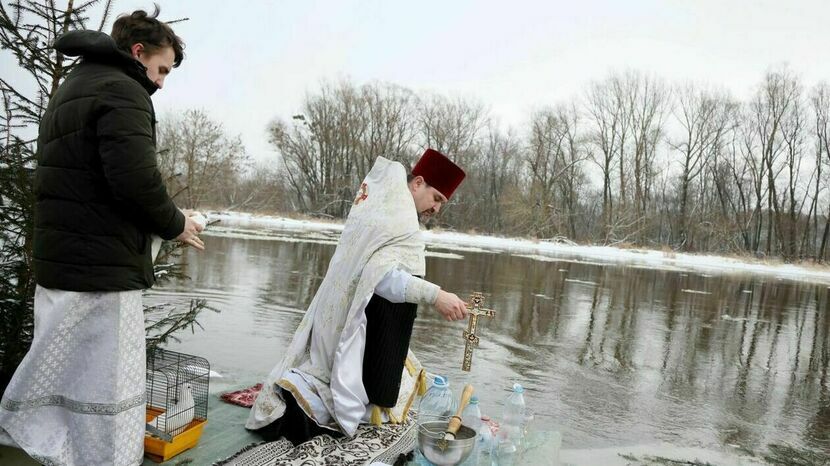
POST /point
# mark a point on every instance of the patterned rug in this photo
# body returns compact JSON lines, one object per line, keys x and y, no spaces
{"x":384,"y":444}
{"x":244,"y":398}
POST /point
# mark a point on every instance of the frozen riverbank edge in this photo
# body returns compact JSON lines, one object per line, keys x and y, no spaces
{"x":232,"y":222}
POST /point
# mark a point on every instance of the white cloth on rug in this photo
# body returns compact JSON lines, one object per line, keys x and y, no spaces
{"x":77,"y":398}
{"x":325,"y":357}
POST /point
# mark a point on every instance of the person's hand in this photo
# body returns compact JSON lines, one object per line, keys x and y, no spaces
{"x":450,"y":306}
{"x":190,"y":234}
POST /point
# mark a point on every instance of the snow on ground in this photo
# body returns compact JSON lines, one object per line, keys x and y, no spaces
{"x":539,"y":250}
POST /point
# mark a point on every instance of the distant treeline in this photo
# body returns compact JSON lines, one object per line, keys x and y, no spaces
{"x":632,"y":160}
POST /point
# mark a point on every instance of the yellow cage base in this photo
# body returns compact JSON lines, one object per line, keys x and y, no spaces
{"x":158,"y":450}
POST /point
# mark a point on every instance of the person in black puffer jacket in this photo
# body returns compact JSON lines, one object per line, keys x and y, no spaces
{"x":78,"y":395}
{"x":99,"y":195}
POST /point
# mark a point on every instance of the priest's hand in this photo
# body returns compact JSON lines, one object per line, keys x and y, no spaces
{"x":450,"y":306}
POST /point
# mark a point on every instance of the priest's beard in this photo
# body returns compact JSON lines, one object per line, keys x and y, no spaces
{"x":425,"y":217}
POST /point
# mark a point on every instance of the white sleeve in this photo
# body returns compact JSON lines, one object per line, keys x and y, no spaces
{"x":399,"y":286}
{"x":393,"y":286}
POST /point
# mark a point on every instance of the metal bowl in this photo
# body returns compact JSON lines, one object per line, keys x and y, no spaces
{"x":445,"y":452}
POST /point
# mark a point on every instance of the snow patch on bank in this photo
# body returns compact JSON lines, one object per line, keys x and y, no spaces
{"x":536,"y":250}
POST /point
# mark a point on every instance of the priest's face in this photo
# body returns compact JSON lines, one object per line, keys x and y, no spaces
{"x":428,"y":200}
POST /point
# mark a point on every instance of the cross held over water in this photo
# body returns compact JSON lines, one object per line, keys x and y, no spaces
{"x":475,"y":310}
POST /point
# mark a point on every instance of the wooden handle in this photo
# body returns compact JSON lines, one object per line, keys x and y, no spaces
{"x":452,"y":429}
{"x":465,"y":399}
{"x":455,"y":421}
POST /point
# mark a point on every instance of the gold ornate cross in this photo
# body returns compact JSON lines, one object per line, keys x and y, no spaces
{"x":475,"y":310}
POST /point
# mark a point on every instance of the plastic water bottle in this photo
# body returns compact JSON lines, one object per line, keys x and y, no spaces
{"x":484,"y":444}
{"x":514,"y":415}
{"x":504,"y":451}
{"x":438,"y":402}
{"x":471,"y":417}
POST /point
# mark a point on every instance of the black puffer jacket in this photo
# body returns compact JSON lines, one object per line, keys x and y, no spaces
{"x":99,"y":194}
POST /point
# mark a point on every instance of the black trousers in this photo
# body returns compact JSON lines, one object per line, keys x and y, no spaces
{"x":388,"y":331}
{"x":294,"y":425}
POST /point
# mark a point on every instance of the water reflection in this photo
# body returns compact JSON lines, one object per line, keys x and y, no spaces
{"x":612,"y":355}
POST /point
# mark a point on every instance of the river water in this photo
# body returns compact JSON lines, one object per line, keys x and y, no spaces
{"x":609,"y":354}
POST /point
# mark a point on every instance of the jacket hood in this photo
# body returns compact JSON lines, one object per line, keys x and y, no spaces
{"x":100,"y":47}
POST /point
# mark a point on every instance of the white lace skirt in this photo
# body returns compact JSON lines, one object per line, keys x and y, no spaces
{"x":78,"y":396}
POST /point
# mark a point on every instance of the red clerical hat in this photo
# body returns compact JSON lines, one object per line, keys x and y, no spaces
{"x":439,"y":172}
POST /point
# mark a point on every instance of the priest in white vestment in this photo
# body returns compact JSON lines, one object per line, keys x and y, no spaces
{"x":349,"y":361}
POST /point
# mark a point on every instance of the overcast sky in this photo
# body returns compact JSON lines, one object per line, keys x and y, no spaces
{"x":250,"y":61}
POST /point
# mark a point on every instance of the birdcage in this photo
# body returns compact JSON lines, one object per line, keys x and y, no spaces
{"x":177,"y":402}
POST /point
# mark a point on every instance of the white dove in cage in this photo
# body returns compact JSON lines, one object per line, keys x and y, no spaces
{"x":178,"y":415}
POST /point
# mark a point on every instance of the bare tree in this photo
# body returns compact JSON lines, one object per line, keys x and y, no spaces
{"x":704,"y":118}
{"x":494,"y":188}
{"x":333,"y":123}
{"x":648,"y":103}
{"x":772,"y":104}
{"x":262,"y":189}
{"x":392,"y":125}
{"x":451,"y":126}
{"x":608,"y":111}
{"x":330,"y":146}
{"x":733,"y":187}
{"x":454,"y":127}
{"x":198,"y":158}
{"x":554,"y":156}
{"x":792,"y":218}
{"x":821,"y":107}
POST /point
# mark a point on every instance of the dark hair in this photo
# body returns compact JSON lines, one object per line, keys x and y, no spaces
{"x":140,"y":28}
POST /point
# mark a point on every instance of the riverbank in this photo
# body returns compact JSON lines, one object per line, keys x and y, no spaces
{"x":534,"y":249}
